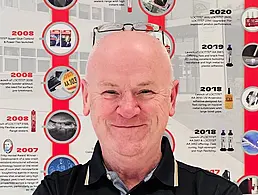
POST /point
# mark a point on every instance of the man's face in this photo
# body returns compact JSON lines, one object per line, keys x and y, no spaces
{"x":130,"y":100}
{"x":7,"y":146}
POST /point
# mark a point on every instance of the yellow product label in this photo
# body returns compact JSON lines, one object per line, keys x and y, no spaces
{"x":69,"y":81}
{"x":228,"y":102}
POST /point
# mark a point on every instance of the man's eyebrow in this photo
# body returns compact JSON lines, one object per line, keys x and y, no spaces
{"x":107,"y":84}
{"x":143,"y":84}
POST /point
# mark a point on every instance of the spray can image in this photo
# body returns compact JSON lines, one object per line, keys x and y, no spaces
{"x":229,"y":56}
{"x":252,"y":20}
{"x":223,"y":141}
{"x":247,"y":20}
{"x":230,"y":141}
{"x":33,"y":121}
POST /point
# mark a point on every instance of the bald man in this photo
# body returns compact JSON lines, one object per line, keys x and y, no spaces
{"x":130,"y":92}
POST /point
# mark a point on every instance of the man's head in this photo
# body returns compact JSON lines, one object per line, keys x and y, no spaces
{"x":129,"y":91}
{"x":8,"y":146}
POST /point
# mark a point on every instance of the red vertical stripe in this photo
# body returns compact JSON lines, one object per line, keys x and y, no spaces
{"x":160,"y":20}
{"x":250,"y":118}
{"x":60,"y":16}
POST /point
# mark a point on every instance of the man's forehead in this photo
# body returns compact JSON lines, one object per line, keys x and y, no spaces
{"x":114,"y":84}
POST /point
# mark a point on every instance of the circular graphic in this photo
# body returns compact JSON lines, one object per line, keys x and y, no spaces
{"x":60,"y":4}
{"x":249,"y":185}
{"x":250,"y":19}
{"x":60,"y":38}
{"x":250,"y":55}
{"x":250,"y":99}
{"x":171,"y":139}
{"x":62,"y":126}
{"x":169,"y":42}
{"x":250,"y":142}
{"x":157,"y":7}
{"x":59,"y":163}
{"x":62,"y":82}
{"x":8,"y":146}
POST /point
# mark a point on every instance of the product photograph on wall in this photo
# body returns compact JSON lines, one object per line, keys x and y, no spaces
{"x":250,"y":55}
{"x":62,"y":82}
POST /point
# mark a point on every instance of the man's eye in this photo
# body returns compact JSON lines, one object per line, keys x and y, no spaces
{"x":112,"y":92}
{"x":144,"y":91}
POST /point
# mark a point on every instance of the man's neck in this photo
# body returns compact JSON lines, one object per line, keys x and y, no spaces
{"x":132,"y":170}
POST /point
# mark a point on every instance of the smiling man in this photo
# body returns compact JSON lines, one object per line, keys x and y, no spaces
{"x":129,"y":92}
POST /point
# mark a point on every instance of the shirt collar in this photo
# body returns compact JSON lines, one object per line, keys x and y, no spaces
{"x":96,"y":169}
{"x":166,"y":171}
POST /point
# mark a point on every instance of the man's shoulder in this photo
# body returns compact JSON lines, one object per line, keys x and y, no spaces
{"x":77,"y":170}
{"x":62,"y":182}
{"x":204,"y":180}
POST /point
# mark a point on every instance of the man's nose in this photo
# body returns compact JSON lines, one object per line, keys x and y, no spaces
{"x":128,"y":106}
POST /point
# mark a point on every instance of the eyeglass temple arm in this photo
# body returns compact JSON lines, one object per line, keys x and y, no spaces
{"x":94,"y":35}
{"x":163,"y":37}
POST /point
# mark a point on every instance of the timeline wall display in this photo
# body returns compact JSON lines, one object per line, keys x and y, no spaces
{"x":44,"y":49}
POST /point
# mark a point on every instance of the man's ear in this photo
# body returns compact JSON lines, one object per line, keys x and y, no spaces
{"x":85,"y":97}
{"x":174,"y":92}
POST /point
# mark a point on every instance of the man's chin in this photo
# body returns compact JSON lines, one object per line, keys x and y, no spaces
{"x":130,"y":150}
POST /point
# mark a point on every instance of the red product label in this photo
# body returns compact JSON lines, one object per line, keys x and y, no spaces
{"x":252,"y":22}
{"x":247,"y":22}
{"x":256,"y":21}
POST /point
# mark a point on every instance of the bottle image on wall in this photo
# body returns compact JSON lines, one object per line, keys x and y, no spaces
{"x":247,"y":20}
{"x":226,"y":175}
{"x":223,"y":141}
{"x":228,"y":100}
{"x":230,"y":141}
{"x":229,"y":56}
{"x":129,"y":6}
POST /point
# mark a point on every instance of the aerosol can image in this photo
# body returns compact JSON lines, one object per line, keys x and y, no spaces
{"x":247,"y":20}
{"x":33,"y":121}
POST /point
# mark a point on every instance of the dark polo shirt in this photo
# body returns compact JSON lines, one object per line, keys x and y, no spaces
{"x":169,"y":178}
